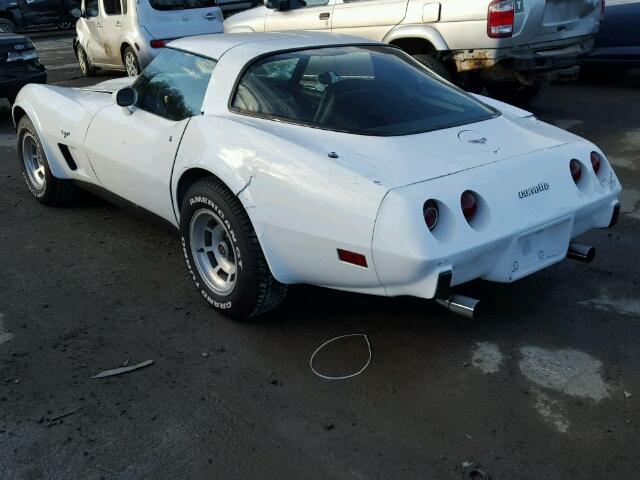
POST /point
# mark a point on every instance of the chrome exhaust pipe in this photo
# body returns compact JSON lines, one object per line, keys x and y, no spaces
{"x":581,"y":252}
{"x":461,"y":305}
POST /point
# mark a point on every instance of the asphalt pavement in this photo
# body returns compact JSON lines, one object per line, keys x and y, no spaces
{"x":545,"y":386}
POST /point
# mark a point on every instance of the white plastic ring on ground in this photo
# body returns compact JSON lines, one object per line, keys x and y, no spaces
{"x":343,"y":377}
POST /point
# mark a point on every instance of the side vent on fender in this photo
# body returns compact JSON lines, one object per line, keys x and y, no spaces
{"x":67,"y":156}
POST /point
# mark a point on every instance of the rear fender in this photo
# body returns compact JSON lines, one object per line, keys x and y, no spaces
{"x":424,"y":32}
{"x":199,"y":150}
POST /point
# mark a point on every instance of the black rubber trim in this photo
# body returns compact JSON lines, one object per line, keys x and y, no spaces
{"x":67,"y":156}
{"x":615,"y":215}
{"x":444,"y":284}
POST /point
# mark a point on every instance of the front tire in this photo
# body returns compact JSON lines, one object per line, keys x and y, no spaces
{"x":86,"y":67}
{"x":131,"y":63}
{"x":46,"y":188}
{"x":223,"y":254}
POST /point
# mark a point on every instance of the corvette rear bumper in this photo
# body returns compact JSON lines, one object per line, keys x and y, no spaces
{"x":515,"y":239}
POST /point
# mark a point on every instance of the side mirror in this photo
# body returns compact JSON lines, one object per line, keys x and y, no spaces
{"x":76,"y":13}
{"x":125,"y":97}
{"x":279,"y":5}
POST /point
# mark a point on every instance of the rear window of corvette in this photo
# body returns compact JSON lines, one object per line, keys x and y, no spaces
{"x":370,"y":90}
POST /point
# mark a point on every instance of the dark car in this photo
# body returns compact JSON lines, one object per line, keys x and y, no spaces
{"x":23,"y":14}
{"x":618,"y":42}
{"x":19,"y":65}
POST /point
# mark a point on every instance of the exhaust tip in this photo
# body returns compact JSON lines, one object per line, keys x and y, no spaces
{"x":581,"y":252}
{"x":464,"y":306}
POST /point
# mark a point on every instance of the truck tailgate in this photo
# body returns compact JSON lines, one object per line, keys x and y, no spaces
{"x":539,"y":21}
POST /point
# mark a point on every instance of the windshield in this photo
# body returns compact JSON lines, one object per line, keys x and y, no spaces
{"x":370,"y":90}
{"x":181,"y":4}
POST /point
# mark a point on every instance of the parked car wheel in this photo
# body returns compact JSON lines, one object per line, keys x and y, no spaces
{"x":223,"y":254}
{"x":87,"y":69}
{"x":46,"y":188}
{"x":433,"y":64}
{"x":513,"y":92}
{"x":131,"y":62}
{"x":67,"y":24}
{"x":7,"y":26}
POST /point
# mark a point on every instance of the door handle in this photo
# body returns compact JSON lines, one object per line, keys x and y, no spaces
{"x":325,"y":16}
{"x":210,"y":16}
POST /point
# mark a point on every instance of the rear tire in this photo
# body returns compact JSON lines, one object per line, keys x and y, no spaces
{"x":7,"y":26}
{"x":513,"y":92}
{"x":46,"y":188}
{"x":433,"y":64}
{"x":131,"y":63}
{"x":223,"y":254}
{"x":86,"y":67}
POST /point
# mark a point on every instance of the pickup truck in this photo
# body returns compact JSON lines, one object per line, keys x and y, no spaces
{"x":25,"y":14}
{"x":509,"y":47}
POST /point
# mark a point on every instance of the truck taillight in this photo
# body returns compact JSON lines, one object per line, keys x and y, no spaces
{"x":500,"y":18}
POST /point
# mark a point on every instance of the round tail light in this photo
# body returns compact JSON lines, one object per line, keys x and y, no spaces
{"x":596,"y":161}
{"x":469,"y":204}
{"x":576,"y":170}
{"x":430,"y":213}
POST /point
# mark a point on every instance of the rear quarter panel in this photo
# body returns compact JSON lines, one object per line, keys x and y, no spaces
{"x":302,"y":205}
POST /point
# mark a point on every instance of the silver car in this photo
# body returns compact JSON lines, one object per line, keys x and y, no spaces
{"x":128,"y":34}
{"x":511,"y":47}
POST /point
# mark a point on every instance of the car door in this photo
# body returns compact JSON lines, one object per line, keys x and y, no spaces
{"x":112,"y":31}
{"x":133,"y":154}
{"x":301,"y":15}
{"x":179,"y":18}
{"x":371,"y":19}
{"x":39,"y":12}
{"x":619,"y":27}
{"x":93,"y":42}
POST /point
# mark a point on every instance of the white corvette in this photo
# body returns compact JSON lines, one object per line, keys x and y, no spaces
{"x":315,"y":158}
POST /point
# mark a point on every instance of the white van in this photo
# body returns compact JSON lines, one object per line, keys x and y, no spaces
{"x":128,"y":34}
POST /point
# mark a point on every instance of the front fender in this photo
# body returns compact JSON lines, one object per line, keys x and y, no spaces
{"x":61,"y":116}
{"x":25,"y":105}
{"x":424,"y":32}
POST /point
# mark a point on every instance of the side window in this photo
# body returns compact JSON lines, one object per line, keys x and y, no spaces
{"x":265,"y":88}
{"x":295,"y":4}
{"x":174,"y":84}
{"x":112,"y":7}
{"x":91,"y":9}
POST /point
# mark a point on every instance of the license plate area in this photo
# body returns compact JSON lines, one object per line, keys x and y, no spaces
{"x":538,"y":249}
